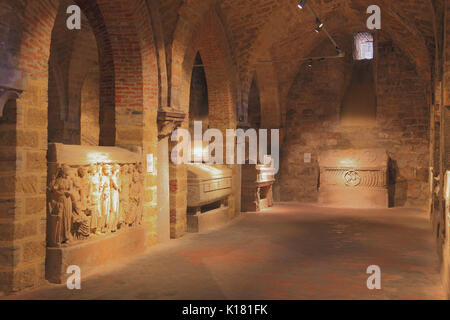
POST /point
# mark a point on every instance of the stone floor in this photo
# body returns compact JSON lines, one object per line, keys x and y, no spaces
{"x":292,"y":251}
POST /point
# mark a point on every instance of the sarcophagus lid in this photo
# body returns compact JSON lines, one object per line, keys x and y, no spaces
{"x":207,"y":184}
{"x":199,"y":172}
{"x":85,"y":155}
{"x":354,"y":158}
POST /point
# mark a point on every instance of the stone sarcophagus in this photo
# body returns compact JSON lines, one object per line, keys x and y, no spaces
{"x":354,"y":178}
{"x":257,"y":182}
{"x":95,"y":206}
{"x":208,"y":190}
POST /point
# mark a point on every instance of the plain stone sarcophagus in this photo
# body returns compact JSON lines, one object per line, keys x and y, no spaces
{"x":95,"y":206}
{"x":354,"y":178}
{"x":208,"y":190}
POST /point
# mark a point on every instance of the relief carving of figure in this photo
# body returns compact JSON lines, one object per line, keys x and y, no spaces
{"x":113,"y":218}
{"x":105,"y":189}
{"x":80,"y":227}
{"x":140,"y":183}
{"x":131,"y":215}
{"x":95,"y":198}
{"x":61,"y":209}
{"x":125,"y":193}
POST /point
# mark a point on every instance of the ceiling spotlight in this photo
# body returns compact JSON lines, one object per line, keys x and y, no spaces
{"x":302,"y":4}
{"x":319,"y":25}
{"x":310,"y":63}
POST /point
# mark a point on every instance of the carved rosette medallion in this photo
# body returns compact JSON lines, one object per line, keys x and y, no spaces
{"x":352,"y":178}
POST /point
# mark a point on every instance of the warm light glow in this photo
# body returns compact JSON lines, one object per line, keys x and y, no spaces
{"x":207,"y":168}
{"x":96,"y":157}
{"x":200,"y":153}
{"x":348,"y":162}
{"x":447,"y":186}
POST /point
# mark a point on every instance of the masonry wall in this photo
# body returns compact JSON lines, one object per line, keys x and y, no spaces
{"x":198,"y":98}
{"x":254,"y":105}
{"x":313,"y":125}
{"x":90,"y":109}
{"x":73,"y":62}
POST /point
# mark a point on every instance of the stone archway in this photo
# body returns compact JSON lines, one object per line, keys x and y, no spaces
{"x":125,"y":120}
{"x":208,"y":39}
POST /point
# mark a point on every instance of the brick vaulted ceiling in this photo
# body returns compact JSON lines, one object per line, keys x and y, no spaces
{"x":276,"y":30}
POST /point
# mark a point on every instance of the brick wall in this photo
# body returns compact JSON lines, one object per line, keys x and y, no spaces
{"x":198,"y":100}
{"x":90,"y":109}
{"x":254,"y":105}
{"x":73,"y":56}
{"x":207,"y":38}
{"x":128,"y":96}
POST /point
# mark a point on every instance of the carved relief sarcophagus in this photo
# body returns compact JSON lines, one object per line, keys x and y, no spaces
{"x":95,"y":206}
{"x":208,"y":190}
{"x":354,"y":178}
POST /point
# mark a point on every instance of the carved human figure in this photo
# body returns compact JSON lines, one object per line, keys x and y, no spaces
{"x":80,"y":227}
{"x":94,"y":198}
{"x":124,"y":193}
{"x":61,"y":211}
{"x":83,"y":180}
{"x":140,"y":183}
{"x":113,"y":218}
{"x":131,"y":216}
{"x":105,"y":189}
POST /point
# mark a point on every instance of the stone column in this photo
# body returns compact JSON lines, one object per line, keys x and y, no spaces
{"x":163,"y":225}
{"x":23,"y":147}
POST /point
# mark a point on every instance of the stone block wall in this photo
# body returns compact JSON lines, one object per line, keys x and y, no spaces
{"x":313,"y":125}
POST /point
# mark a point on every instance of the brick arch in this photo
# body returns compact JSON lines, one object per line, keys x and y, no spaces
{"x":208,"y":38}
{"x":186,"y":43}
{"x":135,"y":86}
{"x":399,"y":25}
{"x":39,"y":19}
{"x":269,"y":96}
{"x":83,"y":60}
{"x":129,"y":95}
{"x":209,"y":42}
{"x":73,"y":54}
{"x":254,"y":104}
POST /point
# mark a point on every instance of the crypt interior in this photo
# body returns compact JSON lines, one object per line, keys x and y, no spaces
{"x":87,"y":178}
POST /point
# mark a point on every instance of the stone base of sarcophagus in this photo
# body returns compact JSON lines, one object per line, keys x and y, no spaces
{"x":207,"y":221}
{"x":94,"y":255}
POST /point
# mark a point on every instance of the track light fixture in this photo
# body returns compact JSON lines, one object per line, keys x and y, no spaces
{"x":319,"y":25}
{"x":310,"y":63}
{"x":302,"y":4}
